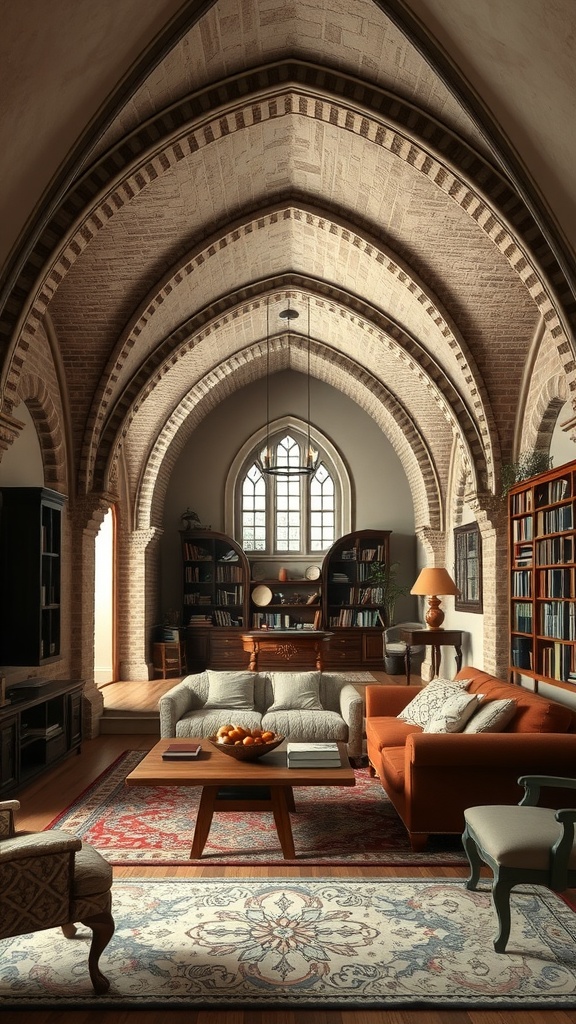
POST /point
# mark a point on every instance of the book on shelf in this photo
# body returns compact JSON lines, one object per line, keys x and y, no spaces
{"x":181,"y":751}
{"x":309,"y":751}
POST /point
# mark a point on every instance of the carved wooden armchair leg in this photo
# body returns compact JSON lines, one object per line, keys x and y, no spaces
{"x":102,"y":926}
{"x":471,"y":851}
{"x":501,"y":888}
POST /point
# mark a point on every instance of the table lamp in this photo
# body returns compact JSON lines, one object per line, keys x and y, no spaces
{"x":430,"y":583}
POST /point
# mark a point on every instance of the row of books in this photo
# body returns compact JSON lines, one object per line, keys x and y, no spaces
{"x":557,"y":661}
{"x":347,"y":617}
{"x":521,"y":584}
{"x":554,"y":551}
{"x":196,"y":553}
{"x":522,"y":617}
{"x":555,"y":520}
{"x":229,"y":573}
{"x":558,"y":619}
{"x":233,"y":596}
{"x":556,"y":582}
{"x":522,"y":529}
{"x":194,"y":574}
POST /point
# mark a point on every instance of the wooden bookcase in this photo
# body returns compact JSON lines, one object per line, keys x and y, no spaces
{"x":350,"y":603}
{"x":215,"y":599}
{"x":542,"y":568}
{"x":30,"y":570}
{"x":41,"y":725}
{"x":295,"y":602}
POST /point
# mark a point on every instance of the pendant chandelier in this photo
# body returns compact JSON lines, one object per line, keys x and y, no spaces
{"x":268,"y":460}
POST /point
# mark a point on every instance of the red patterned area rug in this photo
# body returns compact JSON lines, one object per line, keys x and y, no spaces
{"x":331,"y":826}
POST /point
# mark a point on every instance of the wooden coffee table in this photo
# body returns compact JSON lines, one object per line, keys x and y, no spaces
{"x":229,"y":785}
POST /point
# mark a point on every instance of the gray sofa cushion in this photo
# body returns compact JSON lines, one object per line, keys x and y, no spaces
{"x":307,"y":726}
{"x":295,"y":691}
{"x":206,"y":722}
{"x":230,"y":690}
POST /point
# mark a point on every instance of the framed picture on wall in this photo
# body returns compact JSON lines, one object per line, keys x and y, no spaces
{"x":468,"y":568}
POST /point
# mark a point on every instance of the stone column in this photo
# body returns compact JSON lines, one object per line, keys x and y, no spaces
{"x":492,"y":516}
{"x":138,"y":587}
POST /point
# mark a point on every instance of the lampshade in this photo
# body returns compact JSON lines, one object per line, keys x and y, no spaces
{"x":430,"y":583}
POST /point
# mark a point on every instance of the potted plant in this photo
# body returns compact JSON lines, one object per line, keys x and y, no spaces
{"x":385,"y":577}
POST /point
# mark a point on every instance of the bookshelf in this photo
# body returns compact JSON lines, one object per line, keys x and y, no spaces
{"x":351,"y":604}
{"x":542,"y":577}
{"x":30,"y":570}
{"x":40,"y":725}
{"x":215,"y":598}
{"x":295,"y":603}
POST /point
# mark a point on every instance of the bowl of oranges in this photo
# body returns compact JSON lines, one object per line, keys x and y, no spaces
{"x":245,"y":744}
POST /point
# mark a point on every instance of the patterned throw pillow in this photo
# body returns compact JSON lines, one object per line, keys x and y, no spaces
{"x":230,"y":690}
{"x":429,"y":701}
{"x":493,"y":716}
{"x":296,"y":690}
{"x":454,"y":713}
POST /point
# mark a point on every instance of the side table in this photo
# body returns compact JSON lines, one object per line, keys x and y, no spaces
{"x":436,"y":639}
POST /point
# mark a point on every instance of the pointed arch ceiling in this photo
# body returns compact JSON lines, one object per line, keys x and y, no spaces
{"x":316,"y":154}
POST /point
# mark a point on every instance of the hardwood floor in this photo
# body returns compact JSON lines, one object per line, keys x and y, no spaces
{"x":46,"y":797}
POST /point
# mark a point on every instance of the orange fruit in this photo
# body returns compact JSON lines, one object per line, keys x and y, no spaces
{"x":267,"y":736}
{"x":248,"y":741}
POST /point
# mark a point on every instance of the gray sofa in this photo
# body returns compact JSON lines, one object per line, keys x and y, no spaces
{"x":306,"y":706}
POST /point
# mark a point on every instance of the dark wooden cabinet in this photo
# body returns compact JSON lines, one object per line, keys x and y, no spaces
{"x":40,"y":726}
{"x":30,"y":570}
{"x":351,"y":609}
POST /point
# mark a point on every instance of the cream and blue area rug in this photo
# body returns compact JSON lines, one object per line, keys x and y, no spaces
{"x":307,"y":943}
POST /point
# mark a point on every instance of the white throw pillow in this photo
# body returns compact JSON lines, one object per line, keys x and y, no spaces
{"x":492,"y":716}
{"x":230,"y":690}
{"x":296,"y":690}
{"x":454,"y":713}
{"x":428,"y":702}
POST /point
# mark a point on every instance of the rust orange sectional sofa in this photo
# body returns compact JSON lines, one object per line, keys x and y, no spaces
{"x":432,"y":777}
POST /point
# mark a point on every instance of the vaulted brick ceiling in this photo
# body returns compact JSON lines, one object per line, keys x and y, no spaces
{"x":299,"y":151}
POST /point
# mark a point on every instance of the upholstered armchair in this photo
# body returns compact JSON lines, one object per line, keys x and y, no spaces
{"x":395,"y":648}
{"x":52,"y":879}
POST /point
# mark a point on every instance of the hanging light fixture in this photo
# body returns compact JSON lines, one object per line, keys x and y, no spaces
{"x":268,"y":456}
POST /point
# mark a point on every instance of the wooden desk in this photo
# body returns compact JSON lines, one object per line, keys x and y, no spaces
{"x":286,"y":648}
{"x":436,"y":639}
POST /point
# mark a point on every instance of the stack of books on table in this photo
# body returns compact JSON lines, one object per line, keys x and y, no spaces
{"x":313,"y":755}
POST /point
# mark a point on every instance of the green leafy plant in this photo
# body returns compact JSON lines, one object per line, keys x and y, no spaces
{"x":528,"y":463}
{"x":385,"y":576}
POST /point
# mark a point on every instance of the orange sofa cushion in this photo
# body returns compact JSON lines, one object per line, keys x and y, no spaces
{"x":389,"y":732}
{"x":534,"y":713}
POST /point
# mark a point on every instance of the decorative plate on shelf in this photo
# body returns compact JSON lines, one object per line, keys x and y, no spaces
{"x":259,"y":571}
{"x":312,"y":572}
{"x":261,"y":596}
